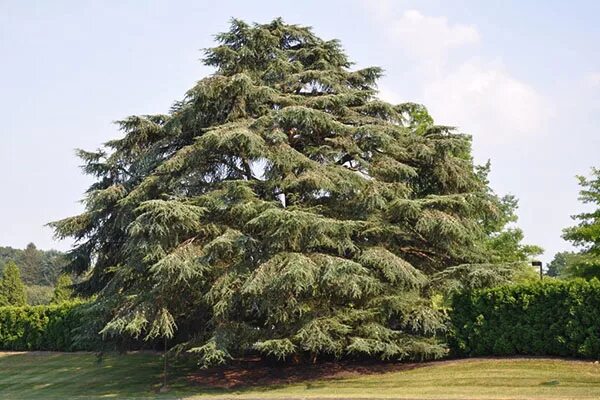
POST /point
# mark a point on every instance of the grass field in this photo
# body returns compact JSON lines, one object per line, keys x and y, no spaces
{"x":60,"y":376}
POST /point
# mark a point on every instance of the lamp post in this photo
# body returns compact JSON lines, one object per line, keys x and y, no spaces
{"x":538,"y":264}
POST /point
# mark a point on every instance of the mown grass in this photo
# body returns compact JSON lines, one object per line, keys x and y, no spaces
{"x":66,"y":376}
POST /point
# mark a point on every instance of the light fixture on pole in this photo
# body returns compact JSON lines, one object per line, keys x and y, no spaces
{"x":538,"y":264}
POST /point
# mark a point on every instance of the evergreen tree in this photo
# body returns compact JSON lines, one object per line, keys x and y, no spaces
{"x":31,"y":261}
{"x":63,"y":290}
{"x":586,"y":235}
{"x":12,"y":290}
{"x":280,"y":208}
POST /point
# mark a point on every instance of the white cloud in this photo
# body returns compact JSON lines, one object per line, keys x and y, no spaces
{"x":478,"y":96}
{"x":425,"y":38}
{"x":430,"y":39}
{"x":486,"y":101}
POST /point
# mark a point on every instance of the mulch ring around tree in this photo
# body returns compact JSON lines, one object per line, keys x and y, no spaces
{"x":255,"y":372}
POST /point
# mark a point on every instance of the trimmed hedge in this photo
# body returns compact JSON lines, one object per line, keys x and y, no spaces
{"x":44,"y":327}
{"x":543,"y":318}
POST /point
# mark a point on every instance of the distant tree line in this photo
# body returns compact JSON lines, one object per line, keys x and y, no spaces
{"x":32,"y":276}
{"x":37,"y":267}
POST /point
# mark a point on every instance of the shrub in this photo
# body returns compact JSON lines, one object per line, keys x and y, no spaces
{"x":71,"y":325}
{"x":42,"y":327}
{"x":63,"y":290}
{"x":550,"y":317}
{"x":12,"y":290}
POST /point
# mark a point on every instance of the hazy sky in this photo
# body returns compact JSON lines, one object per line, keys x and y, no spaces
{"x":522,"y":77}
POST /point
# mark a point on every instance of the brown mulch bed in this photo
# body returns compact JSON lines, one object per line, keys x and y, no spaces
{"x":255,"y":372}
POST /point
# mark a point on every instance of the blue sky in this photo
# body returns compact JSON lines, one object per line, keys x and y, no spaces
{"x":522,"y":77}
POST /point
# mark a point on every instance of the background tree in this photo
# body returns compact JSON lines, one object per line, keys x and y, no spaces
{"x":559,"y":264}
{"x":31,"y":261}
{"x":281,"y":208}
{"x":504,"y":241}
{"x":63,"y":290}
{"x":40,"y":267}
{"x":12,"y":290}
{"x":586,"y":234}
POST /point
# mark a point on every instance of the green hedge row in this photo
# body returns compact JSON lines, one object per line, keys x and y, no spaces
{"x":43,"y":327}
{"x":549,"y":317}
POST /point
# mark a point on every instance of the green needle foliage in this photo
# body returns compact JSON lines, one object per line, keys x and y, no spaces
{"x":12,"y":289}
{"x":280,"y":208}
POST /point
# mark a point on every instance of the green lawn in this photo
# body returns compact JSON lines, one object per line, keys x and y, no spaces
{"x":57,"y":375}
